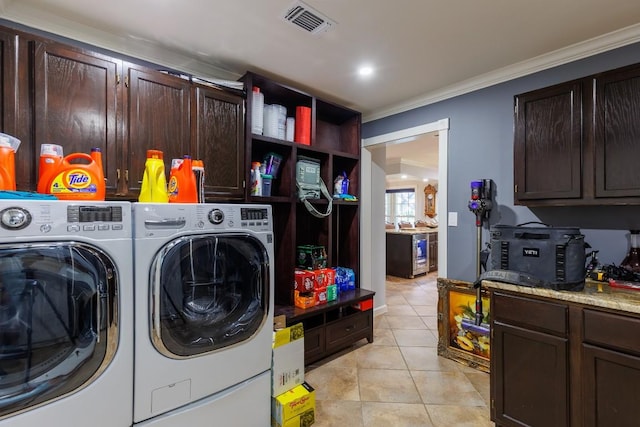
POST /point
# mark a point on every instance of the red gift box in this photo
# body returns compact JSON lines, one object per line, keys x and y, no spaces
{"x":364,"y":305}
{"x":321,"y":296}
{"x":305,"y":281}
{"x":329,"y":276}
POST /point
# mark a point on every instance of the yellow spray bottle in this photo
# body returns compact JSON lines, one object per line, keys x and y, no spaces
{"x":154,"y":180}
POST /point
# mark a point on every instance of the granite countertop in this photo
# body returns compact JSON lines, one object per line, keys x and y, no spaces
{"x":413,"y":231}
{"x":603,"y":296}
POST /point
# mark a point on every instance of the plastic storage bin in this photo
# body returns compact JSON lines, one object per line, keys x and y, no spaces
{"x":272,"y":164}
{"x":266,"y":184}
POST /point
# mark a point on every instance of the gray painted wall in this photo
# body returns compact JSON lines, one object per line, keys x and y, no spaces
{"x":481,"y":146}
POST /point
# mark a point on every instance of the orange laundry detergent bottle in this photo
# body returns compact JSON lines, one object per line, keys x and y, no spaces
{"x":51,"y":156}
{"x":198,"y":171}
{"x":154,"y":181}
{"x":8,"y":147}
{"x":182,"y":182}
{"x":69,"y":180}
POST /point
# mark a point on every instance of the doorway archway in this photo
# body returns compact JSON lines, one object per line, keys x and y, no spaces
{"x":372,"y":193}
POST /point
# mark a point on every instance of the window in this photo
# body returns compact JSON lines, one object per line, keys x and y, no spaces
{"x":400,"y":205}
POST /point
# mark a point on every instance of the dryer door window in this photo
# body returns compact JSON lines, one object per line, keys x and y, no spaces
{"x":208,"y":292}
{"x":58,"y":321}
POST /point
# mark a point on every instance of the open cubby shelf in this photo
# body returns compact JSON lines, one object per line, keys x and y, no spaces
{"x":335,"y":142}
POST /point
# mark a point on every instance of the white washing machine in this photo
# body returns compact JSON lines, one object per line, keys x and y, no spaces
{"x":66,"y":313}
{"x":204,"y":314}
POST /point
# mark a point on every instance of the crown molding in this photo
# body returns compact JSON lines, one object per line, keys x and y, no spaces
{"x":584,"y":49}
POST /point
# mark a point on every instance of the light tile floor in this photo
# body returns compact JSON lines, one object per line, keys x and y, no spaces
{"x":399,"y":380}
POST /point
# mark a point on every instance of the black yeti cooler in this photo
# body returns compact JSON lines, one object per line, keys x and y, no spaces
{"x":554,"y":257}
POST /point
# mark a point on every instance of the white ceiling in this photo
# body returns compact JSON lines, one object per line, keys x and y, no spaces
{"x":413,"y":160}
{"x":421,"y":50}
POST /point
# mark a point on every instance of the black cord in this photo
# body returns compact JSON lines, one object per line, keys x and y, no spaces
{"x":612,"y":271}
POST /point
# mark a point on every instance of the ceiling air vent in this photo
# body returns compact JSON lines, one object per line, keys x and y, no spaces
{"x":307,"y":18}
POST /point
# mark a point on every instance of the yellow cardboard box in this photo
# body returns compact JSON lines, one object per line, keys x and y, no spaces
{"x":287,"y":364}
{"x":305,"y":419}
{"x":293,"y":403}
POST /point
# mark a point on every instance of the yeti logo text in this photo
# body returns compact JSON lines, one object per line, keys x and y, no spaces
{"x":531,"y":252}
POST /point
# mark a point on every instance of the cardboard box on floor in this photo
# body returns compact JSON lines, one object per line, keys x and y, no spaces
{"x":287,"y":364}
{"x":294,"y":408}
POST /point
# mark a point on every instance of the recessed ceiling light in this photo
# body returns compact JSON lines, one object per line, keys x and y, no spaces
{"x":403,"y":176}
{"x":425,"y":179}
{"x":365,"y":71}
{"x":403,"y":140}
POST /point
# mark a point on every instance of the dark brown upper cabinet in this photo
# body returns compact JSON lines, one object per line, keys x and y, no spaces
{"x":577,"y":143}
{"x":8,"y":80}
{"x":158,"y":118}
{"x":217,"y":131}
{"x":617,"y":133}
{"x":75,"y":104}
{"x":548,"y":143}
{"x":57,"y":93}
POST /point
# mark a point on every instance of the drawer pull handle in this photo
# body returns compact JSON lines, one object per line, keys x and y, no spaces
{"x":348,"y":328}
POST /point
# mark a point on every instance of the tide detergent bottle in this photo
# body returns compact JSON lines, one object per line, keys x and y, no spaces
{"x":154,"y":181}
{"x":182,"y":182}
{"x":8,"y":147}
{"x":69,"y":180}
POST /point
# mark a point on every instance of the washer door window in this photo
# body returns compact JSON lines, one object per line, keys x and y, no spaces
{"x":208,"y":292}
{"x":58,"y":326}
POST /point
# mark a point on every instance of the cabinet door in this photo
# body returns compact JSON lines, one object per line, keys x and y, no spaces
{"x":529,"y":376}
{"x":76,"y":104}
{"x":433,"y":251}
{"x":12,"y":95}
{"x":158,"y":118}
{"x":218,"y":130}
{"x":611,"y":396}
{"x":617,"y":133}
{"x":548,"y":143}
{"x":8,"y":43}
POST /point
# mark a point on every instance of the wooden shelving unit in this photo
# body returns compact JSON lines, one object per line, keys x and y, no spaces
{"x":335,"y":143}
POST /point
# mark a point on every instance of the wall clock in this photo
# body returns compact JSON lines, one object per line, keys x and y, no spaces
{"x":430,"y":201}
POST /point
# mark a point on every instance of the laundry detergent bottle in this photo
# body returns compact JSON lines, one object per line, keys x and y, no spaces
{"x":51,"y":156}
{"x":182,"y":182}
{"x":154,"y":181}
{"x":70,"y":180}
{"x":96,"y":156}
{"x":8,"y":147}
{"x":198,"y":170}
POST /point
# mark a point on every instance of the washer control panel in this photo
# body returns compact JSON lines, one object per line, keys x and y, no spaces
{"x":216,"y":216}
{"x":63,"y":218}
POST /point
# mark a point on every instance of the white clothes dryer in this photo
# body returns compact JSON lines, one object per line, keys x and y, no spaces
{"x":66,"y":313}
{"x":204,"y":312}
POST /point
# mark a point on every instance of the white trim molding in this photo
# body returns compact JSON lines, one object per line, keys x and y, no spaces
{"x":584,"y":49}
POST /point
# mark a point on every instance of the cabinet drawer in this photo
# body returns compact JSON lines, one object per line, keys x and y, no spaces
{"x":313,"y":344}
{"x":530,"y":313}
{"x":348,"y":328}
{"x":612,"y":331}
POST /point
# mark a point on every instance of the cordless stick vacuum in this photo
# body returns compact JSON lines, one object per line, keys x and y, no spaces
{"x":480,"y":204}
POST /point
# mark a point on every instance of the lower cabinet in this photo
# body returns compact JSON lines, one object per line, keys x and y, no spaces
{"x":331,"y":327}
{"x":529,"y":358}
{"x":556,"y":363}
{"x":351,"y":325}
{"x":432,"y":251}
{"x":611,"y":369}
